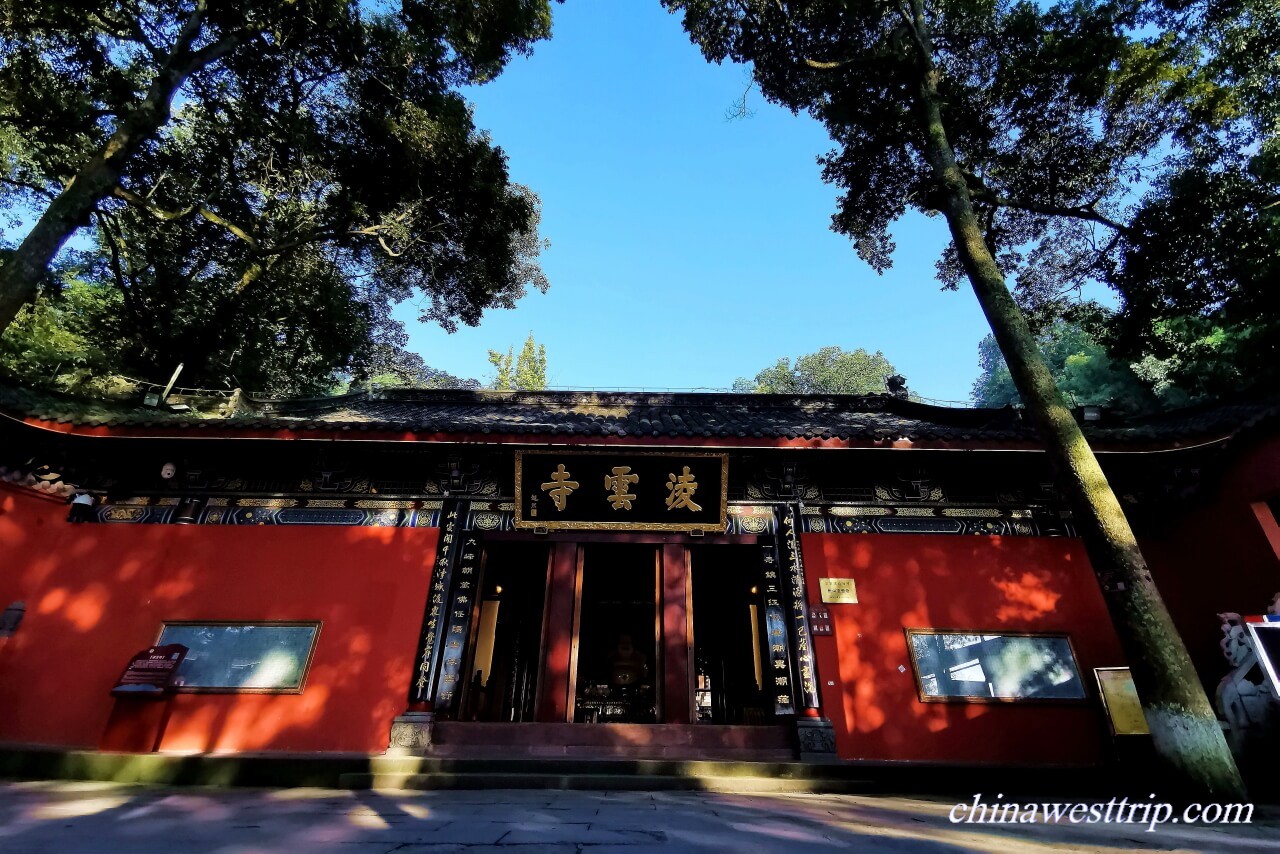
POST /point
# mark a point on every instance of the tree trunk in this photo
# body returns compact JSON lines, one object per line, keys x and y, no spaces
{"x":1184,"y":729}
{"x":20,"y":275}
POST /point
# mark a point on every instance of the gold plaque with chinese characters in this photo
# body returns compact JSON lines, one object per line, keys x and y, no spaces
{"x":623,"y":491}
{"x":838,"y":591}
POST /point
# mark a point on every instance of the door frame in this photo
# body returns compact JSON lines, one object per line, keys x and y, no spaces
{"x":556,"y":696}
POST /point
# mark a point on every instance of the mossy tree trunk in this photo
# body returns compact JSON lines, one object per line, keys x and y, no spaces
{"x":97,"y":179}
{"x":1184,"y":729}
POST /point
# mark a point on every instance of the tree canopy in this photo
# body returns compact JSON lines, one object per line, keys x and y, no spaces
{"x":524,"y":372}
{"x":297,"y":167}
{"x":830,"y":370}
{"x":1083,"y":368}
{"x":1026,"y":126}
{"x":1196,"y":264}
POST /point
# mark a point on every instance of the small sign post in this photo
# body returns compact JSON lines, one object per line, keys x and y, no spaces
{"x":151,"y":672}
{"x":1120,"y":701}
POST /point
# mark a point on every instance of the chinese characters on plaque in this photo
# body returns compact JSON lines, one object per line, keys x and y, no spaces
{"x":819,"y":620}
{"x":622,"y":491}
{"x":682,"y":489}
{"x":838,"y":591}
{"x":560,"y":487}
{"x":441,"y":576}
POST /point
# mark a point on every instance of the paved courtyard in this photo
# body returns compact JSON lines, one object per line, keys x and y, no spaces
{"x":68,"y":817}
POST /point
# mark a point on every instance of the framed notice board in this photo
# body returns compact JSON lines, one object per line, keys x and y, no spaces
{"x":988,"y":667}
{"x":1120,"y":701}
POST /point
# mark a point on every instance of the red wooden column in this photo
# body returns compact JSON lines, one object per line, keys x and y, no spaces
{"x":562,"y":596}
{"x":677,"y":636}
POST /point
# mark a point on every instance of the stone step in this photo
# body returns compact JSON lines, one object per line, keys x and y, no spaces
{"x":515,"y":765}
{"x":601,"y":782}
{"x":328,"y":770}
{"x":618,"y":751}
{"x":767,"y":737}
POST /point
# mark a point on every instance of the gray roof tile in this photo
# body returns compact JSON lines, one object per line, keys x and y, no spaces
{"x":626,"y":414}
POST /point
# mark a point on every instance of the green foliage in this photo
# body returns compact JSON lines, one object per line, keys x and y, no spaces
{"x":1027,"y":126}
{"x":830,"y":370}
{"x":1060,"y":116}
{"x":63,"y":338}
{"x":504,"y":371}
{"x":1083,"y":370}
{"x":395,"y":367}
{"x":320,"y":168}
{"x":1049,"y":110}
{"x":531,"y":366}
{"x":1196,"y":270}
{"x":1198,"y":275}
{"x":526,"y":372}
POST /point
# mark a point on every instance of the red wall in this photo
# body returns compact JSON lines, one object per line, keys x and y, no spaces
{"x":95,"y":594}
{"x":1037,"y":584}
{"x":1219,"y":556}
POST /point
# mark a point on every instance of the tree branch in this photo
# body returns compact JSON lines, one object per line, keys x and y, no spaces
{"x":982,"y":195}
{"x":915,"y":24}
{"x":820,"y":64}
{"x":35,"y":188}
{"x":153,"y":209}
{"x":166,"y":215}
{"x":237,"y":230}
{"x":115,"y":242}
{"x":187,"y":62}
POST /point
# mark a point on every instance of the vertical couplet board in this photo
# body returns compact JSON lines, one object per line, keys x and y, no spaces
{"x":458,"y":620}
{"x":433,"y":619}
{"x":794,"y":569}
{"x":778,"y":679}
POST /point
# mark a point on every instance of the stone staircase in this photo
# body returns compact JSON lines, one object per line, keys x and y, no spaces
{"x":422,"y":772}
{"x":377,"y":771}
{"x":697,"y":742}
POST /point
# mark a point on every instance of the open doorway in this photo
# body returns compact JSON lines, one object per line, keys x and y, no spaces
{"x":617,"y":638}
{"x":507,"y":648}
{"x":728,"y":632}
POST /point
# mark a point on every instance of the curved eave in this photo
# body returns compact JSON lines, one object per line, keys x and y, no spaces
{"x":197,"y":430}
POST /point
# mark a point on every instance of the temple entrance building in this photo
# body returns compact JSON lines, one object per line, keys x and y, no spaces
{"x":621,"y":575}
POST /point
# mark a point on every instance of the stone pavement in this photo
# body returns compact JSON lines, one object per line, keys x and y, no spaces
{"x":102,"y":817}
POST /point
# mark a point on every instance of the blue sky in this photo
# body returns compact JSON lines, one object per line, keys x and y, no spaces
{"x":686,"y":249}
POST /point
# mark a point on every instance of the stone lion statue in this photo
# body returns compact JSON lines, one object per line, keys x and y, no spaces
{"x":1244,"y":698}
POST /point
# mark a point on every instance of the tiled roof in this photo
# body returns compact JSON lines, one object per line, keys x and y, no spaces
{"x":635,"y":414}
{"x":661,"y":415}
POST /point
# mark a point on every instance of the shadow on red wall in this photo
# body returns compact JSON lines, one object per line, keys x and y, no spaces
{"x":1021,"y":584}
{"x":95,"y":594}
